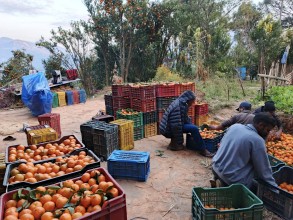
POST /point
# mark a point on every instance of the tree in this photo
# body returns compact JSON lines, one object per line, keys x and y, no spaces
{"x":77,"y":45}
{"x":16,"y":67}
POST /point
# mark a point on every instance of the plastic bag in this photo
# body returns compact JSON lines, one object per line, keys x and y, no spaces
{"x":36,"y":94}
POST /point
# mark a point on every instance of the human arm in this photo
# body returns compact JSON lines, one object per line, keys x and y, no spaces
{"x":216,"y":127}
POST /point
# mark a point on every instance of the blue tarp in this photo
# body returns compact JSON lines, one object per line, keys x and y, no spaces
{"x":36,"y":94}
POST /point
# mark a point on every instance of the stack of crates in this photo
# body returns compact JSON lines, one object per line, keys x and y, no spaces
{"x":150,"y":123}
{"x":61,"y":98}
{"x":75,"y":94}
{"x":55,"y":102}
{"x":201,"y":113}
{"x":126,"y":137}
{"x":51,"y":119}
{"x":121,"y":97}
{"x":69,"y":97}
{"x":109,"y":104}
{"x":2,"y":172}
{"x":82,"y":96}
{"x":133,"y":165}
{"x":143,"y":99}
{"x":103,"y":136}
{"x":41,"y":135}
{"x":137,"y":118}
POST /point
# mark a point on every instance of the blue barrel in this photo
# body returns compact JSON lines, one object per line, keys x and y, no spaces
{"x":242,"y":71}
{"x":82,"y":96}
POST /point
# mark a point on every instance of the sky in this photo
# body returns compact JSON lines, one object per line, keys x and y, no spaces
{"x":30,"y":19}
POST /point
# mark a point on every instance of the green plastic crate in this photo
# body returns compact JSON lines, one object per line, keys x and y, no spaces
{"x":55,"y":102}
{"x":247,"y":206}
{"x":275,"y":163}
{"x":136,"y":118}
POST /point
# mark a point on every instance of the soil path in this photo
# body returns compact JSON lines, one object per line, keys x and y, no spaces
{"x":167,"y":192}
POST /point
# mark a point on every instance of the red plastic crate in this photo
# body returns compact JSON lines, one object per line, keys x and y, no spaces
{"x":71,"y":74}
{"x":108,"y":100}
{"x":114,"y":209}
{"x":143,"y":105}
{"x":120,"y":90}
{"x":167,"y":90}
{"x":201,"y":109}
{"x":187,"y":86}
{"x":75,"y":96}
{"x":143,"y":92}
{"x":191,"y":111}
{"x":160,"y":115}
{"x":51,"y":119}
{"x":121,"y":102}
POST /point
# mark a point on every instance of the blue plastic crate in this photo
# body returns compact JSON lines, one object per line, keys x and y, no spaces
{"x":82,"y":96}
{"x":134,"y":165}
{"x":69,"y":97}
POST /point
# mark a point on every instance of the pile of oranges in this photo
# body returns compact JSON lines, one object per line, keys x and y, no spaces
{"x":287,"y":187}
{"x":30,"y":172}
{"x":34,"y":153}
{"x":282,"y":149}
{"x":210,"y":134}
{"x":71,"y":199}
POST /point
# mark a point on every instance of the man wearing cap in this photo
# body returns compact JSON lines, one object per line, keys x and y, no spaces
{"x":244,"y":117}
{"x":269,"y":106}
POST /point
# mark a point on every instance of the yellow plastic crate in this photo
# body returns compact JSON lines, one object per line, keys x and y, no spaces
{"x":150,"y":130}
{"x":201,"y":119}
{"x":126,"y":140}
{"x":61,"y":98}
{"x":41,"y":135}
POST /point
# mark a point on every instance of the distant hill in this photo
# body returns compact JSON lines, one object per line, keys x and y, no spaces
{"x":39,"y":53}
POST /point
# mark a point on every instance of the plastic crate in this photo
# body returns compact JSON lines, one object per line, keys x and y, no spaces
{"x":138,"y":133}
{"x":211,"y":144}
{"x":69,"y":97}
{"x":18,"y":185}
{"x":86,"y":134}
{"x":149,"y":117}
{"x":113,"y":209}
{"x":160,"y":115}
{"x":201,"y":109}
{"x":186,"y":86}
{"x":164,"y":102}
{"x":120,"y":90}
{"x":150,"y":130}
{"x":134,"y":165}
{"x":143,"y":105}
{"x":61,"y":140}
{"x":276,"y":199}
{"x":109,"y":110}
{"x":36,"y":127}
{"x":143,"y":92}
{"x":75,"y":94}
{"x":201,"y":119}
{"x":41,"y":135}
{"x":191,"y":111}
{"x":126,"y":139}
{"x":121,"y":102}
{"x":167,"y":90}
{"x":61,"y":98}
{"x":136,"y":117}
{"x":247,"y":206}
{"x":275,"y":163}
{"x":55,"y":102}
{"x":51,"y":119}
{"x":71,"y":74}
{"x":108,"y":100}
{"x":82,"y":96}
{"x":2,"y":172}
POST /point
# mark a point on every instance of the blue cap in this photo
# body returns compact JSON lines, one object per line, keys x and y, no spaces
{"x":244,"y":105}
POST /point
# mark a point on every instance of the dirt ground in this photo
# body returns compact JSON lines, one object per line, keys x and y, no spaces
{"x":167,"y":192}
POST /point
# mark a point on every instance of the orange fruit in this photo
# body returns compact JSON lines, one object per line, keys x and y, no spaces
{"x":85,"y":177}
{"x":11,"y":211}
{"x":75,"y":187}
{"x":68,"y":183}
{"x":96,"y":199}
{"x":61,"y":201}
{"x":25,"y":211}
{"x":97,"y":208}
{"x":10,"y":217}
{"x":47,"y":216}
{"x":19,"y":177}
{"x":65,"y":216}
{"x":94,"y":188}
{"x":85,"y":201}
{"x":55,"y":197}
{"x":77,"y":167}
{"x":45,"y":198}
{"x":114,"y":192}
{"x":27,"y":216}
{"x":38,"y":212}
{"x":79,"y":209}
{"x":103,"y":186}
{"x":10,"y":203}
{"x":76,"y":215}
{"x":92,"y":181}
{"x":101,"y":178}
{"x":49,"y":206}
{"x":20,"y":202}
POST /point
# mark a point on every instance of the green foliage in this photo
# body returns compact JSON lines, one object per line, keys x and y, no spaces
{"x":165,"y":74}
{"x":282,"y":96}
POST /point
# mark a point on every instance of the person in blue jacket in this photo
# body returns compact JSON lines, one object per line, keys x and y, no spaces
{"x":242,"y":155}
{"x":175,"y":122}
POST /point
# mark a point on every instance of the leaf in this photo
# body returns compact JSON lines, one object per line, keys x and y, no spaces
{"x":54,"y":187}
{"x":71,"y":210}
{"x":32,"y":195}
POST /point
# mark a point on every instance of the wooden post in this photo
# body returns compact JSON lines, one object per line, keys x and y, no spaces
{"x":262,"y":87}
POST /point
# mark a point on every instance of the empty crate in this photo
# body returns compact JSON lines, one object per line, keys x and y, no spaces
{"x":133,"y":165}
{"x":126,"y":138}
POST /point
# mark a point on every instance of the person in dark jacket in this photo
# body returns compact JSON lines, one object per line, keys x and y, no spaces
{"x":175,"y":122}
{"x":269,"y":107}
{"x":244,"y":117}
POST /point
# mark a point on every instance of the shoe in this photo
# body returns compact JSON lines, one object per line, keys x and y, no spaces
{"x":9,"y":138}
{"x":206,"y":153}
{"x":213,"y":183}
{"x":175,"y":147}
{"x":218,"y":183}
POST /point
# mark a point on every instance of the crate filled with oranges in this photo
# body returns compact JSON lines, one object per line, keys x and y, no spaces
{"x":93,"y":195}
{"x":211,"y":138}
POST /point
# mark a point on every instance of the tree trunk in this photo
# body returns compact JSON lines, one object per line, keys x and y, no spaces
{"x":128,"y":61}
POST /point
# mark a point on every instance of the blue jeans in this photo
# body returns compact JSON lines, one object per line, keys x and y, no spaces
{"x":193,"y":130}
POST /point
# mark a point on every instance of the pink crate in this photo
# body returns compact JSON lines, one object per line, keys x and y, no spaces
{"x":51,"y":119}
